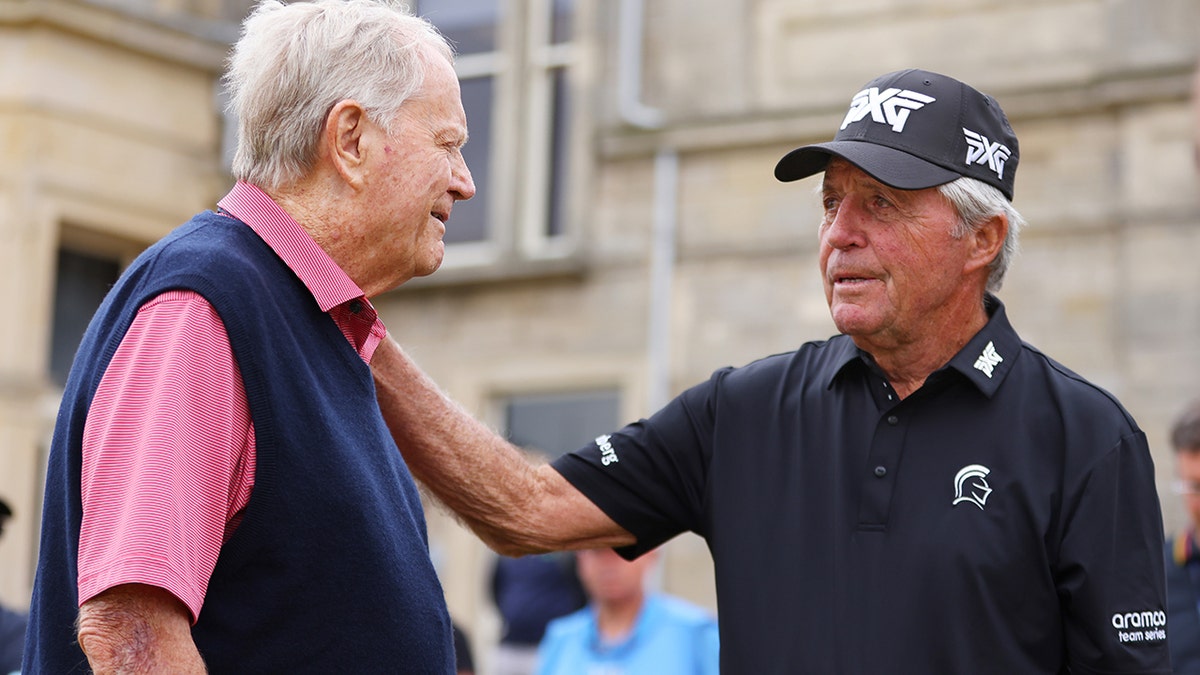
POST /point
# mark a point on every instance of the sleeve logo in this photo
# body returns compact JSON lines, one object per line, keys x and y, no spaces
{"x":608,"y":454}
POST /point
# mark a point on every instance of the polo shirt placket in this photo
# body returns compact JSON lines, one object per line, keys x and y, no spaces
{"x":883,"y":459}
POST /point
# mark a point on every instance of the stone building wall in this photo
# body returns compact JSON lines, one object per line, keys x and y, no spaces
{"x":111,"y":136}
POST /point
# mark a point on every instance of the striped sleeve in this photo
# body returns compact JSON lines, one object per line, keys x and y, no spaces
{"x":168,"y":454}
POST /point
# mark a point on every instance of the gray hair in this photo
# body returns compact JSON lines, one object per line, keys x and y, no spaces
{"x":977,"y":202}
{"x":294,"y":62}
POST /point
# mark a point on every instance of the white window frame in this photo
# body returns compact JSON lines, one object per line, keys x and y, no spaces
{"x":523,"y":67}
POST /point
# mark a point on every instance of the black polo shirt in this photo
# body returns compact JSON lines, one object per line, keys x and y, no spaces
{"x":1001,"y":519}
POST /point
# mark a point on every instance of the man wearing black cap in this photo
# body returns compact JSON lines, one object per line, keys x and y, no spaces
{"x":922,"y":493}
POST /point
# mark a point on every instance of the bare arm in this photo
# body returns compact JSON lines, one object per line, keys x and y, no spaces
{"x":512,"y":505}
{"x":135,"y":628}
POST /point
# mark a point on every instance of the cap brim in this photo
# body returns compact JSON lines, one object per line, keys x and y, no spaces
{"x":889,"y":166}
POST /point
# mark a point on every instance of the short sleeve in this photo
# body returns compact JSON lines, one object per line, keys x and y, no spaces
{"x":1110,"y":574}
{"x":168,"y":459}
{"x":651,"y":477}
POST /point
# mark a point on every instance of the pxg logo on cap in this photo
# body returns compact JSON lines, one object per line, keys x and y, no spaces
{"x":914,"y":129}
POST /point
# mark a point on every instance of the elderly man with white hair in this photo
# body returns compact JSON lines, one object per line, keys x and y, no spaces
{"x":222,"y":491}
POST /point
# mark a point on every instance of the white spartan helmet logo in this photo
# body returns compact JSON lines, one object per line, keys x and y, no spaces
{"x":970,"y":485}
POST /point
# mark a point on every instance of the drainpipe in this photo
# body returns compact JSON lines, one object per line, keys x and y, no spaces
{"x":630,"y":33}
{"x":666,"y":189}
{"x":662,"y":272}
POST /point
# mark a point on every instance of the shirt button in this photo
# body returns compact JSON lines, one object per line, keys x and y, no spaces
{"x":880,"y":471}
{"x":355,"y":306}
{"x":893,"y":420}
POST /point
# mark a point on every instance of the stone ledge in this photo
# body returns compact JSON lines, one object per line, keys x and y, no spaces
{"x":179,"y":39}
{"x":1103,"y":90}
{"x":510,"y":269}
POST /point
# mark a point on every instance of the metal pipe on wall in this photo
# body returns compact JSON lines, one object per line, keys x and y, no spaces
{"x":635,"y":112}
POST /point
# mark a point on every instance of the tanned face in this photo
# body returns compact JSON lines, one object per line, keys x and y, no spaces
{"x":889,"y":258}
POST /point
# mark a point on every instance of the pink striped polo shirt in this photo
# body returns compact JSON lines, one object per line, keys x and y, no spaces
{"x":168,"y":446}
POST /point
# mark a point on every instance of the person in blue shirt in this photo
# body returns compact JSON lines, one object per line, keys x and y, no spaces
{"x":627,"y":631}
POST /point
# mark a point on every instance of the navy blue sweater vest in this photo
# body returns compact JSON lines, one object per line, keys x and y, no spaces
{"x":329,"y":570}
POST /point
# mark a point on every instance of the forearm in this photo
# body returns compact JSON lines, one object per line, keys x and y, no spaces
{"x":138,"y":629}
{"x":514,"y":506}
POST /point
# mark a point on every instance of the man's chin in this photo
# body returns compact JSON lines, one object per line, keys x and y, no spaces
{"x":432,"y":267}
{"x":849,"y":318}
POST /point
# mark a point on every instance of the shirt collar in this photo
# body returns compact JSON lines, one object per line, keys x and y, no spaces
{"x":328,"y":283}
{"x":988,"y":357}
{"x":985,"y":360}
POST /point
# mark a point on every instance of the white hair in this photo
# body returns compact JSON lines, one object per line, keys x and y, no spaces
{"x":977,"y":202}
{"x":294,"y":62}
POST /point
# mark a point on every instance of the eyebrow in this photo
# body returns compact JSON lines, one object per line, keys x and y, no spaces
{"x":452,"y":135}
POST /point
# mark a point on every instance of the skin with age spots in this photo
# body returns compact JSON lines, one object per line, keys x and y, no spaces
{"x":417,"y":176}
{"x":398,"y":190}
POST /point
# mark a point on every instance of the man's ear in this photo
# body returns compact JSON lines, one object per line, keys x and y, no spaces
{"x":343,"y":139}
{"x":989,"y":239}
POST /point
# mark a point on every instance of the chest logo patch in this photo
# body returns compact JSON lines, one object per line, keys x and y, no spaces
{"x":971,"y":486}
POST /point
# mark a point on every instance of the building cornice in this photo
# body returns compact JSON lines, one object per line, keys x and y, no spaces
{"x":173,"y":37}
{"x":1103,"y":89}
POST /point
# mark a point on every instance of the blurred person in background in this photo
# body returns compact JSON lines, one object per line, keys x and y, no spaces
{"x":1183,"y":549}
{"x":12,"y":622}
{"x":627,"y":630}
{"x":222,"y":493}
{"x":1196,"y":114}
{"x":1182,"y":553}
{"x":464,"y":660}
{"x":529,"y":592}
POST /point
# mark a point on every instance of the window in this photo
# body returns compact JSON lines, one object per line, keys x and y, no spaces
{"x":560,"y":422}
{"x":81,"y":282}
{"x":551,"y":76}
{"x":514,"y":63}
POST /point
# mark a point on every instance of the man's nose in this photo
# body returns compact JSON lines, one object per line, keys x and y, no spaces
{"x":461,"y":183}
{"x":843,"y":227}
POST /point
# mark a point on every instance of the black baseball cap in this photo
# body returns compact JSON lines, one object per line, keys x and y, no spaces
{"x":913,"y":129}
